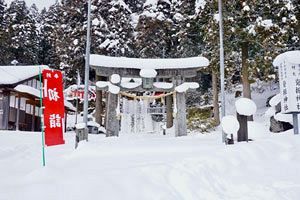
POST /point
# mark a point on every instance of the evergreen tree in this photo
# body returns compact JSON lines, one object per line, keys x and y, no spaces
{"x":3,"y":34}
{"x":23,"y":33}
{"x":253,"y":35}
{"x":50,"y":35}
{"x":154,"y":30}
{"x":117,"y":32}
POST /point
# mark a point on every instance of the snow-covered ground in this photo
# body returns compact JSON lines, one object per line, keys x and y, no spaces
{"x":153,"y":166}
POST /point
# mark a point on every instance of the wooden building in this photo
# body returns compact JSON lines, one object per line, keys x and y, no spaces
{"x":19,"y":98}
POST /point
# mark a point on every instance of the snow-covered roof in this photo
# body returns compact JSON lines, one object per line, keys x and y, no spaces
{"x":290,"y":56}
{"x":15,"y":74}
{"x":35,"y":92}
{"x":28,"y":90}
{"x":148,"y":63}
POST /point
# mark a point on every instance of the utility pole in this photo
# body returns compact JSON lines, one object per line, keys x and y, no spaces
{"x":87,"y":67}
{"x":222,"y":65}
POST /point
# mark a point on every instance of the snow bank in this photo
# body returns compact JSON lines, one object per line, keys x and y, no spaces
{"x":151,"y":63}
{"x":230,"y":124}
{"x":150,"y":167}
{"x":245,"y":106}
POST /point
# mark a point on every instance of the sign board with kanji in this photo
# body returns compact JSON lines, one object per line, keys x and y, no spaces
{"x":289,"y":77}
{"x":74,"y":92}
{"x":53,"y":101}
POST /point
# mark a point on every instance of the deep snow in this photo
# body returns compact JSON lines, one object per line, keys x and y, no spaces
{"x":151,"y":167}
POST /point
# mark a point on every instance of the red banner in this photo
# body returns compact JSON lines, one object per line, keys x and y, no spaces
{"x":54,"y":112}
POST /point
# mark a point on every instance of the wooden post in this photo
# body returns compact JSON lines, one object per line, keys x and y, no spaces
{"x":243,"y":131}
{"x":295,"y":123}
{"x":112,"y":123}
{"x":169,"y":111}
{"x":18,"y":113}
{"x":33,"y":119}
{"x":106,"y":108}
{"x":6,"y":109}
{"x":99,"y":107}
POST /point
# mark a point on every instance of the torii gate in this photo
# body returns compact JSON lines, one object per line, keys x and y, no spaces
{"x":151,"y":71}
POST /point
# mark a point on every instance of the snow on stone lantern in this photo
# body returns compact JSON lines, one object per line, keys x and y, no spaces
{"x":288,"y":65}
{"x":230,"y":126}
{"x":244,"y":107}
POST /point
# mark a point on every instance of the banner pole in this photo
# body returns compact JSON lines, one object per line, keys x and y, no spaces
{"x":41,"y":117}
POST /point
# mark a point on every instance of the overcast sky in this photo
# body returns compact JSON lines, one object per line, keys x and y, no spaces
{"x":39,"y":3}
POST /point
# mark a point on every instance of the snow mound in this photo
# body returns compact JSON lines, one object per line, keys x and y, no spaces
{"x":230,"y":124}
{"x":80,"y":126}
{"x":93,"y":123}
{"x":115,"y":79}
{"x":284,"y":117}
{"x":275,"y":100}
{"x":270,"y":112}
{"x":256,"y":130}
{"x":245,"y":106}
{"x":148,"y":73}
{"x":102,"y":84}
{"x":113,"y":89}
{"x":186,"y":86}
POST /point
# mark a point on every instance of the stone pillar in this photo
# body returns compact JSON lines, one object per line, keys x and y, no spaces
{"x":112,"y":123}
{"x":99,"y":107}
{"x":6,"y":109}
{"x":180,"y":125}
{"x":169,"y":101}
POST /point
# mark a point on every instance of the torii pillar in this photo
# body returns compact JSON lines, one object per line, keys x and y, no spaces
{"x":180,"y":120}
{"x":112,"y":122}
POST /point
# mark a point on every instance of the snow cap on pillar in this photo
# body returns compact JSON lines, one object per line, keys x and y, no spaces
{"x":245,"y":106}
{"x":230,"y":124}
{"x":115,"y":79}
{"x":148,"y":73}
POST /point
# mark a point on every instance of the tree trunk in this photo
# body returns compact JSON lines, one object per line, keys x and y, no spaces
{"x":99,"y":107}
{"x":245,"y":72}
{"x":216,"y":110}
